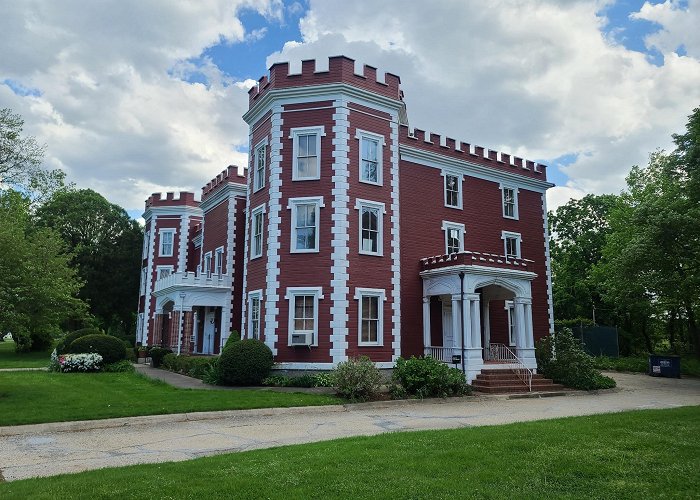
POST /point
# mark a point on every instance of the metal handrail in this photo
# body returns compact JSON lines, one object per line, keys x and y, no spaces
{"x":501,"y":352}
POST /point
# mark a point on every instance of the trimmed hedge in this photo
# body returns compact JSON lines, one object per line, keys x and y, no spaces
{"x":246,"y":362}
{"x":63,"y":345}
{"x":110,"y":348}
{"x":426,"y":378}
{"x":192,"y":366}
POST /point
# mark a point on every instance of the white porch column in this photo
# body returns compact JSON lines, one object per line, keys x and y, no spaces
{"x":476,"y":321}
{"x":487,"y":322}
{"x":426,"y":324}
{"x":523,"y":328}
{"x":456,"y":324}
{"x":474,"y":352}
{"x":529,"y":337}
{"x":466,"y":321}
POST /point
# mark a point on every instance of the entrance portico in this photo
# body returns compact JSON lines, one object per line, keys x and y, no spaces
{"x":469,"y":286}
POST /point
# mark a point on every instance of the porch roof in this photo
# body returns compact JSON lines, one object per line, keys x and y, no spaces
{"x":479,"y":259}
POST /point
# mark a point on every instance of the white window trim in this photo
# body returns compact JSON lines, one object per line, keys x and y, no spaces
{"x":291,"y":293}
{"x":381,"y":208}
{"x":454,"y":225}
{"x":207,"y":269}
{"x":219,"y":261}
{"x":254,"y":294}
{"x":164,"y":268}
{"x":144,"y":277}
{"x":518,"y":243}
{"x":363,"y":134}
{"x":510,"y":316}
{"x":260,"y":209}
{"x":294,"y":134}
{"x":259,"y":145}
{"x":460,"y":192}
{"x":291,"y":205}
{"x":370,"y":292}
{"x":161,"y":232}
{"x":516,"y":215}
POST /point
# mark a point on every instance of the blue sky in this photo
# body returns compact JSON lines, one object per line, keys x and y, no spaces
{"x":130,"y":108}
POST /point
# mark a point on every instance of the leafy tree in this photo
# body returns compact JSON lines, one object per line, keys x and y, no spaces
{"x":106,"y":244}
{"x":651,"y":261}
{"x":20,"y":161}
{"x":578,"y":230}
{"x":38,"y":286}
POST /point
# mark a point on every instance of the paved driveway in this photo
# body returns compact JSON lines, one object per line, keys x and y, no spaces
{"x":49,"y":449}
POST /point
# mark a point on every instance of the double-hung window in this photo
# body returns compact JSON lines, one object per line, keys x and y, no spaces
{"x":144,"y":277}
{"x":260,"y":162}
{"x":453,"y":190}
{"x":254,"y":311}
{"x":370,"y":315}
{"x":146,"y":236}
{"x":371,"y":216}
{"x":509,"y":197}
{"x":303,"y":315}
{"x":218,"y":261}
{"x":305,"y":224}
{"x":167,"y":238}
{"x":511,"y":244}
{"x":257,"y":232}
{"x":454,"y":237}
{"x":306,"y":153}
{"x":207,"y":264}
{"x":370,"y":157}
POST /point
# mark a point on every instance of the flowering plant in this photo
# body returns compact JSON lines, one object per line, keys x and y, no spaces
{"x":91,"y":362}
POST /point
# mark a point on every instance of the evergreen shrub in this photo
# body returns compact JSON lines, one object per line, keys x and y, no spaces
{"x":245,"y":362}
{"x":110,"y":348}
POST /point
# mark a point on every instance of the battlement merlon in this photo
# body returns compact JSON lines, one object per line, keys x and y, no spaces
{"x":470,"y":152}
{"x":341,"y":69}
{"x":231,"y":174}
{"x":172,"y":199}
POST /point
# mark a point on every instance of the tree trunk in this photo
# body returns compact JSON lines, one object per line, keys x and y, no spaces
{"x":693,"y":332}
{"x":672,"y":330}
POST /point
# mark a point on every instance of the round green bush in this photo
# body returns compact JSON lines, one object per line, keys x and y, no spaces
{"x":246,"y":362}
{"x":110,"y":348}
{"x":64,"y":344}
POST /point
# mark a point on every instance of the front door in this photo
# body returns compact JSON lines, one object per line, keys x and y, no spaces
{"x":447,"y":330}
{"x":209,"y":332}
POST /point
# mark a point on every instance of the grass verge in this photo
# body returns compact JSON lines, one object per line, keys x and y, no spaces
{"x":689,"y":366}
{"x":11,"y":359}
{"x":37,"y":397}
{"x":641,"y":454}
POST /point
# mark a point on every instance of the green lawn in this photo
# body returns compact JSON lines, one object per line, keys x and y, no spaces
{"x":35,"y":397}
{"x":10,"y":359}
{"x":635,"y":455}
{"x":689,"y":366}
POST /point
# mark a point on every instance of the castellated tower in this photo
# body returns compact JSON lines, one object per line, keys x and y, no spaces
{"x":321,"y":277}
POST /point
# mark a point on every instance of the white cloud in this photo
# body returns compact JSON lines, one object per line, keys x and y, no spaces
{"x":538,"y":79}
{"x":114,"y":110}
{"x":681,"y":26}
{"x":559,"y":195}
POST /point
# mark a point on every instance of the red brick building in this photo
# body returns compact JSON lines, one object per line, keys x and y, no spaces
{"x":352,"y":234}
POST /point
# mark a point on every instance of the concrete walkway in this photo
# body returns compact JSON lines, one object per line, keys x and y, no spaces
{"x":49,"y":449}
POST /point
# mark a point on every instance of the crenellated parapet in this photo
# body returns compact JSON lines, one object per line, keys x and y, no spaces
{"x":171,"y":199}
{"x":231,"y":174}
{"x":470,"y":152}
{"x":341,"y":69}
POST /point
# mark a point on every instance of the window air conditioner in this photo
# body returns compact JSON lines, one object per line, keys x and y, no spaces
{"x":192,"y":339}
{"x":301,"y":338}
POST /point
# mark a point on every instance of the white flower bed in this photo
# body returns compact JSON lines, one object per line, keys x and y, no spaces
{"x":91,"y":362}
